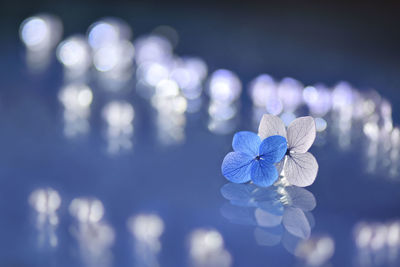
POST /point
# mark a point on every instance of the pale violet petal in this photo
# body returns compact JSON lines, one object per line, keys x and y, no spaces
{"x":236,"y":167}
{"x":301,"y":198}
{"x":296,"y":223}
{"x":263,"y":173}
{"x":271,"y":125}
{"x":300,"y":169}
{"x":301,"y":134}
{"x":273,"y":148}
{"x":246,"y":142}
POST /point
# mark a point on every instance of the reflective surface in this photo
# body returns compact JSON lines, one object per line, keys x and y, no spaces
{"x":138,"y":175}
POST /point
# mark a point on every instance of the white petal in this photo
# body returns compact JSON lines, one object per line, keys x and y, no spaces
{"x":271,"y":125}
{"x":296,"y":223}
{"x":301,"y":169}
{"x":301,"y":198}
{"x":301,"y":134}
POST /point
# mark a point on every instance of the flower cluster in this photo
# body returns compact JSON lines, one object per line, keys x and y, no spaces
{"x":275,"y":151}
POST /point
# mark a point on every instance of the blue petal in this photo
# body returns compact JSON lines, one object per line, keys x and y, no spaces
{"x":246,"y":142}
{"x":263,"y":173}
{"x":273,"y":148}
{"x":236,"y":167}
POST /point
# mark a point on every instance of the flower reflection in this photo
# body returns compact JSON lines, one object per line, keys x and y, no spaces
{"x":45,"y":202}
{"x":95,"y":237}
{"x":76,"y":99}
{"x":207,"y":249}
{"x":281,"y":214}
{"x":146,"y":230}
{"x":119,"y":117}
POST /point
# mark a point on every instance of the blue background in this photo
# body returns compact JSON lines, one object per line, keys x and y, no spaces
{"x":181,"y":183}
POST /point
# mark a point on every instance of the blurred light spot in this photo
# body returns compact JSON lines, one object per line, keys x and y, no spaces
{"x":290,"y":93}
{"x":114,"y":56}
{"x":40,"y":32}
{"x":393,"y":234}
{"x":153,"y":73}
{"x":74,"y":53}
{"x":152,"y":48}
{"x":371,"y":130}
{"x":108,"y":31}
{"x":168,"y":32}
{"x":225,"y":87}
{"x":342,"y":95}
{"x":320,"y":124}
{"x":318,"y":99}
{"x":263,"y":90}
{"x":288,"y":117}
{"x":167,"y":88}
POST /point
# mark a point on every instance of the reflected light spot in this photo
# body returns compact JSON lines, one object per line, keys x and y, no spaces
{"x":363,"y":235}
{"x":87,"y":210}
{"x":146,"y":227}
{"x":76,"y":96}
{"x":45,"y":200}
{"x":207,"y":249}
{"x":118,"y":113}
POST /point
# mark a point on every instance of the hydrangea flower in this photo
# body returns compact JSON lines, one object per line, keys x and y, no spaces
{"x":254,"y":158}
{"x":298,"y":166}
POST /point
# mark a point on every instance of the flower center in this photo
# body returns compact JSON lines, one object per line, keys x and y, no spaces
{"x":287,"y":152}
{"x":258,"y":157}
